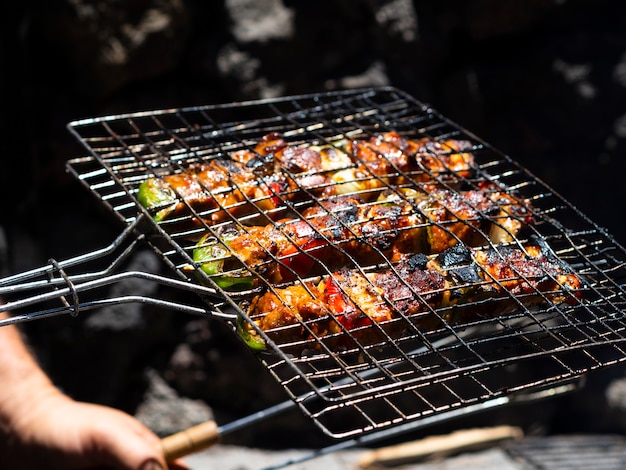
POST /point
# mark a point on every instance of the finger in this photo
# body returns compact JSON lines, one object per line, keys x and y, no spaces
{"x":123,"y":442}
{"x":178,"y":464}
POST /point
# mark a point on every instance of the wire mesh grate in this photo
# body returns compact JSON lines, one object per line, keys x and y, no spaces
{"x":363,"y":385}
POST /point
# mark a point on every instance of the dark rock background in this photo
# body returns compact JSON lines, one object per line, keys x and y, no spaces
{"x":544,"y":81}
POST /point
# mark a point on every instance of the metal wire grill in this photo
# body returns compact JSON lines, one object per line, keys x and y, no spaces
{"x":368,"y":387}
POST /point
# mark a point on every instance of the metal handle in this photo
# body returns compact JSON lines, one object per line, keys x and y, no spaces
{"x":53,"y":282}
{"x":193,"y":439}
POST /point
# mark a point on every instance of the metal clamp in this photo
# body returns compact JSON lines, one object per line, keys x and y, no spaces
{"x":73,"y":309}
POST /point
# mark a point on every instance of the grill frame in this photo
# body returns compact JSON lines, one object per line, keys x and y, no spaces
{"x":362,"y":390}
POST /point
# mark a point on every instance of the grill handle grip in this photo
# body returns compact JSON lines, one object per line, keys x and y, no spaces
{"x":434,"y":447}
{"x":191,"y":440}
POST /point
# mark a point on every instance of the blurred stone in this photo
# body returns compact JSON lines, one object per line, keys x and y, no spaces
{"x":119,"y":42}
{"x":489,"y":18}
{"x":615,"y":397}
{"x":260,"y":20}
{"x":128,"y":316}
{"x":165,"y":412}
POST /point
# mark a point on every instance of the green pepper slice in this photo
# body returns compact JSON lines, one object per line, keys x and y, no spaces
{"x":216,"y":261}
{"x":157,"y":197}
{"x":249,"y":336}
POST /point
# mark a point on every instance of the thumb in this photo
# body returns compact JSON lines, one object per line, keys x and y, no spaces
{"x":123,"y":442}
{"x":138,"y":448}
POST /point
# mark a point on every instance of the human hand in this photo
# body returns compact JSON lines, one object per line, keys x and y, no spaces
{"x":56,"y":432}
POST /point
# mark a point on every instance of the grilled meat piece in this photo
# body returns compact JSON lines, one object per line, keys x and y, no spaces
{"x":390,"y":156}
{"x":264,"y":179}
{"x":472,"y":217}
{"x":390,"y":160}
{"x":174,"y":195}
{"x":345,"y":231}
{"x":238,"y":184}
{"x":213,"y":188}
{"x":459,"y":285}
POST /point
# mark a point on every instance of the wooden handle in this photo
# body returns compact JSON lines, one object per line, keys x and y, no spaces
{"x":439,"y":446}
{"x":193,"y":439}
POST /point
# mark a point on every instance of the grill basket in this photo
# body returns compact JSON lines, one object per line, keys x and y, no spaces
{"x":363,"y":388}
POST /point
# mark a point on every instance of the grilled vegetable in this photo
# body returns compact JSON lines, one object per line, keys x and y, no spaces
{"x":249,"y":336}
{"x":344,"y":230}
{"x":457,"y":286}
{"x":214,"y":259}
{"x":262,"y":180}
{"x":156,"y":195}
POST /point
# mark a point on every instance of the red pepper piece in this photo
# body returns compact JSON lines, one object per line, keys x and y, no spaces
{"x":301,"y":258}
{"x":275,"y":198}
{"x":345,"y":315}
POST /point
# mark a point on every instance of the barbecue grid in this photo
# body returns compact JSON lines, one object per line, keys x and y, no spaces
{"x":421,"y":374}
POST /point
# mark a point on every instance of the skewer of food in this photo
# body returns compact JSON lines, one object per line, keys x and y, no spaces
{"x":275,"y":172}
{"x":345,"y":231}
{"x":419,"y":292}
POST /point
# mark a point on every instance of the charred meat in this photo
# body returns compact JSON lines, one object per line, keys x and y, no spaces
{"x":263,"y":179}
{"x":345,"y":231}
{"x":417,"y":293}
